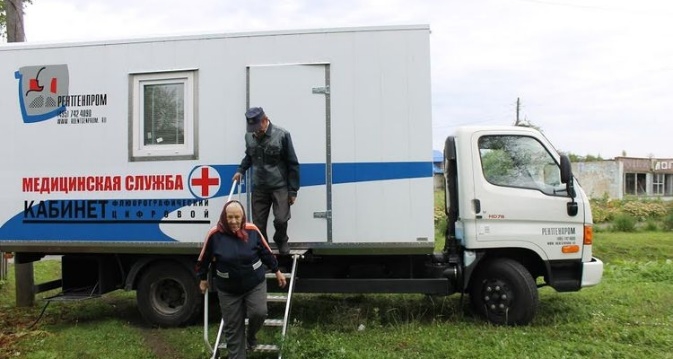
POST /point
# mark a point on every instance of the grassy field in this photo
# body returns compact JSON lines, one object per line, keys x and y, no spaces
{"x":629,"y":315}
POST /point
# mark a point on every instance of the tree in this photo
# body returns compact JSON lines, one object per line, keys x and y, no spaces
{"x":588,"y":158}
{"x":11,"y":19}
{"x":574,"y":158}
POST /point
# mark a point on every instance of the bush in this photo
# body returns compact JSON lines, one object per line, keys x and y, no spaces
{"x":644,"y":209}
{"x":655,"y":213}
{"x":667,"y":222}
{"x":599,"y":229}
{"x":651,"y":226}
{"x":604,"y":209}
{"x":624,"y":223}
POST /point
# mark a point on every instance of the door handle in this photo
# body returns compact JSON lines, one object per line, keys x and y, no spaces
{"x":477,"y":205}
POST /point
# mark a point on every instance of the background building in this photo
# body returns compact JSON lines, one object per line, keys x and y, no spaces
{"x":627,"y":176}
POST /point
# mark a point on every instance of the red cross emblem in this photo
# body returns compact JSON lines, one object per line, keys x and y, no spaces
{"x":208,"y":178}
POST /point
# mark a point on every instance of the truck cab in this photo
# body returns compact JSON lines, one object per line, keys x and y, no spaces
{"x":517,"y":218}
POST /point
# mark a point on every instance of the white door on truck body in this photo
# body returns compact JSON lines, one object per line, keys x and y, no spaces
{"x":518,"y":197}
{"x":295,"y":97}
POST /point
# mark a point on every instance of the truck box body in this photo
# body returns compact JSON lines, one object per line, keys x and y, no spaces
{"x":119,"y":155}
{"x":84,"y":168}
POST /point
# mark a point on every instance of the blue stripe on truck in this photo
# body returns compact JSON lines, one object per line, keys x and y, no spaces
{"x":147,"y":214}
{"x":313,"y":174}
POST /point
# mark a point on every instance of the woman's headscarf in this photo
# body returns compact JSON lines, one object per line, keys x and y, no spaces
{"x":223,"y":225}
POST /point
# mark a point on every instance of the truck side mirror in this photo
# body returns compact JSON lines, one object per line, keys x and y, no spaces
{"x":572,"y":208}
{"x":567,"y":178}
{"x":566,"y":169}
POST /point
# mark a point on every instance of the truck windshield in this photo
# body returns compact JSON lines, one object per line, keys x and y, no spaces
{"x":519,"y":161}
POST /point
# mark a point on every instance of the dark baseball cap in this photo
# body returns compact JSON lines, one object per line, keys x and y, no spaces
{"x":254,"y":117}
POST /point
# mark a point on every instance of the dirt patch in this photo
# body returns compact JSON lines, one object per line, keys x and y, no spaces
{"x":14,"y":324}
{"x":153,"y":337}
{"x":157,"y":343}
{"x":18,"y":325}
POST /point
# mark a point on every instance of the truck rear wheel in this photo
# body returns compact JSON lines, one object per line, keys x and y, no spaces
{"x":504,"y":293}
{"x":167,"y":295}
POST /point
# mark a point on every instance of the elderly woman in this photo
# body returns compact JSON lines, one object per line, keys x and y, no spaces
{"x":237,"y":250}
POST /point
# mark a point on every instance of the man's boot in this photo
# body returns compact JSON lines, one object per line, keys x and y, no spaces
{"x":283,"y":247}
{"x":281,"y":239}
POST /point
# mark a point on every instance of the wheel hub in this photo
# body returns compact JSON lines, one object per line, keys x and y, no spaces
{"x":497,"y":296}
{"x":168,"y":296}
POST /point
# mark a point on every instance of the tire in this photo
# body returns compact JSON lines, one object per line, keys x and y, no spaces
{"x":168,"y":295}
{"x":504,"y":293}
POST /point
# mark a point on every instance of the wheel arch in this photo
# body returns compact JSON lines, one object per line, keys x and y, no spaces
{"x":141,"y":265}
{"x":527,"y":257}
{"x":167,"y":291}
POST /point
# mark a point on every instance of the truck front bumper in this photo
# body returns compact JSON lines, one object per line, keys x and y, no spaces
{"x":592,"y":272}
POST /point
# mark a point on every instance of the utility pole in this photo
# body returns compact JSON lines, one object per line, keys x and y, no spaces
{"x":14,"y":13}
{"x":518,"y":108}
{"x":23,"y":271}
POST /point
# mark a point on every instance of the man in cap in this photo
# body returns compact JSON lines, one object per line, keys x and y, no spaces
{"x":275,"y":174}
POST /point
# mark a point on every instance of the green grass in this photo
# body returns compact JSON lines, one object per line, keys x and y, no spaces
{"x":628,"y":315}
{"x":639,"y":246}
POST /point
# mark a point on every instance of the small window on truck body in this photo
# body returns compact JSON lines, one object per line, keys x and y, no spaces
{"x":163,"y":116}
{"x":521,"y":162}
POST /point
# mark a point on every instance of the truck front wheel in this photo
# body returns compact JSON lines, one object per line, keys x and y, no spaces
{"x":167,"y":295}
{"x":504,"y":293}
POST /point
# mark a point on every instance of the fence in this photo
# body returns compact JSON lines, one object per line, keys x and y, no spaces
{"x":3,"y":266}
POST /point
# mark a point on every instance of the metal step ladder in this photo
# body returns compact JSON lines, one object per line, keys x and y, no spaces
{"x":283,"y":297}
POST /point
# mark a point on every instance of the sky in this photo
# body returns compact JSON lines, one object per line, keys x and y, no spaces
{"x":595,"y":75}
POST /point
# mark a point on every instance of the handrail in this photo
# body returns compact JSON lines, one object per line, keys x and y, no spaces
{"x":290,"y":290}
{"x":205,"y":319}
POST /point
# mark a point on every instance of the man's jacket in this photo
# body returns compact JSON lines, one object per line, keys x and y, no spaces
{"x":273,"y":160}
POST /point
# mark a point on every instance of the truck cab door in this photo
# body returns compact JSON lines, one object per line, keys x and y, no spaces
{"x":296,"y":97}
{"x":519,"y":200}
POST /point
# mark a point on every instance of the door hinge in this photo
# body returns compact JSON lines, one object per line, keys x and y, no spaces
{"x":325,"y":214}
{"x":321,"y":90}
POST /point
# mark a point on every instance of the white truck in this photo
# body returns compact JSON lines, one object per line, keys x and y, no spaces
{"x":118,"y":155}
